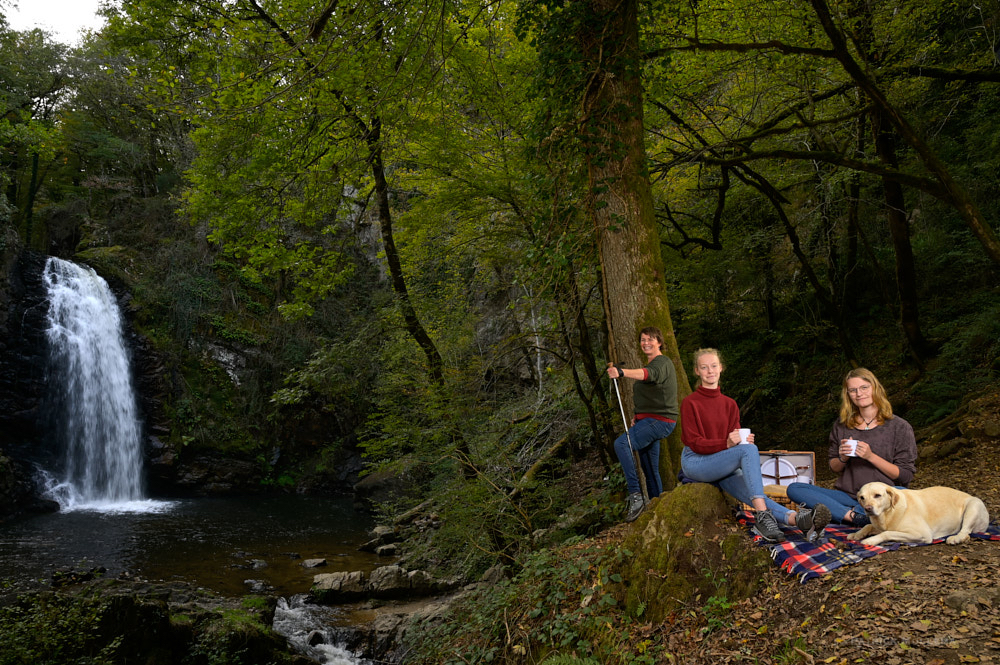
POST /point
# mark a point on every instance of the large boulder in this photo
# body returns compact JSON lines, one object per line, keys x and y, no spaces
{"x":685,"y":545}
{"x":344,"y":586}
{"x":384,"y":583}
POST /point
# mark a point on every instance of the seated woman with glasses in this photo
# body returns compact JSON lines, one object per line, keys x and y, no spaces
{"x":867,"y":444}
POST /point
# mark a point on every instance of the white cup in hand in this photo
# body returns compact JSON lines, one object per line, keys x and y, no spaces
{"x":853,"y":447}
{"x":744,"y":433}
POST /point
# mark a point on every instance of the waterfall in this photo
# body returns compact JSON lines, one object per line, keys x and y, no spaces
{"x":94,"y":404}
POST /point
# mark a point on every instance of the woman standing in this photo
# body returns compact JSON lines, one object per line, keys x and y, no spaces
{"x":713,"y":454}
{"x":867,"y":444}
{"x":654,"y":397}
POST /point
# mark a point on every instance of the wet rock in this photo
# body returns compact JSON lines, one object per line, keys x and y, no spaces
{"x":68,"y":577}
{"x":494,"y":574}
{"x":342,"y":586}
{"x":389,"y":582}
{"x":387,"y":550}
{"x":315,"y":637}
{"x":420,"y":582}
{"x":384,"y":486}
{"x":218,"y":475}
{"x":385,"y":583}
{"x":258,"y":586}
{"x":23,"y":346}
{"x":313,"y":563}
{"x":379,"y":536}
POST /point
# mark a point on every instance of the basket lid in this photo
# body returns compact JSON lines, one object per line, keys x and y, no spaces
{"x":778,"y":471}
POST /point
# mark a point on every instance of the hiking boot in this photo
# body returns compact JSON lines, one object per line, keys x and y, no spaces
{"x":767,"y":527}
{"x":859,"y":519}
{"x":634,"y":506}
{"x":812,"y":521}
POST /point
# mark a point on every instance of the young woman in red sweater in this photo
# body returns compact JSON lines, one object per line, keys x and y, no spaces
{"x":710,"y":424}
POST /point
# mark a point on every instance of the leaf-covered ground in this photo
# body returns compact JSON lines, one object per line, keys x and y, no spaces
{"x":933,"y":604}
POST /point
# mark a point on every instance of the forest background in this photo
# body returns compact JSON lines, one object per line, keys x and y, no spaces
{"x":421,"y":228}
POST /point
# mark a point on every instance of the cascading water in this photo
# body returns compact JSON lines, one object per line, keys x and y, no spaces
{"x":95,"y":407}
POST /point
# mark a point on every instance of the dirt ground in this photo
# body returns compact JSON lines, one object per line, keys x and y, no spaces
{"x":934,"y":605}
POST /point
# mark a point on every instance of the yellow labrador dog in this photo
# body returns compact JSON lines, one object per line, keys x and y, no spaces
{"x":919,"y":516}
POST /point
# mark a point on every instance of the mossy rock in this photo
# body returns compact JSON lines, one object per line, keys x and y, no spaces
{"x":682,"y":547}
{"x":112,"y":263}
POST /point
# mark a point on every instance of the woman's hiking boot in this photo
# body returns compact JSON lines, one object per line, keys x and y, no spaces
{"x":634,"y":506}
{"x":858,"y":519}
{"x":812,"y":521}
{"x":767,"y":527}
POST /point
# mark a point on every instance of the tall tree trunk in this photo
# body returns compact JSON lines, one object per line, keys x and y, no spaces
{"x":899,"y":229}
{"x":620,"y":201}
{"x":434,"y":363}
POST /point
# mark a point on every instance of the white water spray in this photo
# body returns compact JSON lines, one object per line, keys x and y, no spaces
{"x":306,"y":627}
{"x":97,"y":411}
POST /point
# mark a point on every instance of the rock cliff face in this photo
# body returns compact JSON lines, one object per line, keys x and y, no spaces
{"x":22,"y":379}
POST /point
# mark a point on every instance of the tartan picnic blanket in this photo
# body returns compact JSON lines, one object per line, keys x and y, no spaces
{"x":806,"y":560}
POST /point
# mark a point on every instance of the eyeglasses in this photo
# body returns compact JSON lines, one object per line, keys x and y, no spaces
{"x":860,"y":389}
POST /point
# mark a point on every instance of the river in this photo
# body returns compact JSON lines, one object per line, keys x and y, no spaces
{"x":228,"y":545}
{"x":216,"y":543}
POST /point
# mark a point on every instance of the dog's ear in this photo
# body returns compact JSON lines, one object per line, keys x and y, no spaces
{"x":893,"y":496}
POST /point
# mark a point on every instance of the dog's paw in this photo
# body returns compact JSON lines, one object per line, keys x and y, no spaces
{"x":957,"y":539}
{"x":853,"y":536}
{"x":873,"y":540}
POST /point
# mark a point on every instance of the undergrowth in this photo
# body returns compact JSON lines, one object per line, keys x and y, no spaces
{"x":562,"y":607}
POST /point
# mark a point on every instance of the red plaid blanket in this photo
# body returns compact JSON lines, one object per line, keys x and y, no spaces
{"x":806,"y":560}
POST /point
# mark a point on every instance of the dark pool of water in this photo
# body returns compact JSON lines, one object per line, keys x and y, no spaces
{"x":219,"y":543}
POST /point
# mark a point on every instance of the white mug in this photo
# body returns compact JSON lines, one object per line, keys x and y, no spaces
{"x":853,"y":452}
{"x":744,"y":433}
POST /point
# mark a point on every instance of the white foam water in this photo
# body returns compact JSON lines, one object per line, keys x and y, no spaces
{"x":298,"y":620}
{"x":96,"y":412}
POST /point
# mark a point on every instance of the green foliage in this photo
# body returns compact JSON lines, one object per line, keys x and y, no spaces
{"x":794,"y":651}
{"x":967,"y":364}
{"x":559,"y":608}
{"x":55,"y":629}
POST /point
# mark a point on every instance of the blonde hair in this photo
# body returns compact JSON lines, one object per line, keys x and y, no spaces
{"x":849,"y":412}
{"x":705,"y":352}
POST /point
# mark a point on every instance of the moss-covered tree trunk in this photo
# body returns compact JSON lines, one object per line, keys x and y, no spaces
{"x":620,"y":200}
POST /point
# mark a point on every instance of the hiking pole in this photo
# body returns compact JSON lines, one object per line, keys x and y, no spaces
{"x":628,"y":437}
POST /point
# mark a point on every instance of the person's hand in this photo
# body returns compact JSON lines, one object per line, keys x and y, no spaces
{"x":844,"y":452}
{"x":750,"y":437}
{"x":734,"y":439}
{"x":864,"y":451}
{"x":614,"y":372}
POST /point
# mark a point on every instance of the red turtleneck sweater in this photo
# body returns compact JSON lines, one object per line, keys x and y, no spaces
{"x":707,"y":418}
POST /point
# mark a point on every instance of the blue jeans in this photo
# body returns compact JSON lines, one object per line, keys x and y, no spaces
{"x":645,"y":435}
{"x":736,"y":471}
{"x":840,"y":503}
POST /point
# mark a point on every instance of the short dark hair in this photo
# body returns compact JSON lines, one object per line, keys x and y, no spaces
{"x":653,"y":332}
